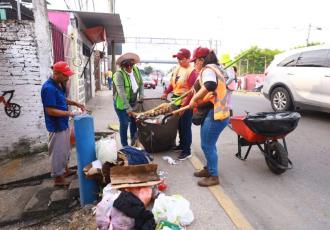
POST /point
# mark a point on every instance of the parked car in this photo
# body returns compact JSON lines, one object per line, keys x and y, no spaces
{"x":149,"y":83}
{"x":154,"y":77}
{"x":299,"y":79}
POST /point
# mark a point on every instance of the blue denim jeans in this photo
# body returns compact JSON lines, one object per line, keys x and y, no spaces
{"x":124,"y":121}
{"x":110,"y":83}
{"x":210,"y":132}
{"x":185,"y":133}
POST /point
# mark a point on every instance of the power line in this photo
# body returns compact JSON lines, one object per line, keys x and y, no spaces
{"x":67,"y":6}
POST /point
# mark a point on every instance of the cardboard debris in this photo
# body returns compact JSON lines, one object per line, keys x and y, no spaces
{"x":134,"y":176}
{"x":146,"y":184}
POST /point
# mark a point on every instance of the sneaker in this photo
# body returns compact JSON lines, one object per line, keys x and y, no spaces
{"x":184,"y":156}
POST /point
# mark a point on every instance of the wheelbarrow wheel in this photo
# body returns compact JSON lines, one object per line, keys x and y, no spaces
{"x":278,"y":159}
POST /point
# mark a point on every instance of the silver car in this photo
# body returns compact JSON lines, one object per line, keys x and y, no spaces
{"x":299,"y":79}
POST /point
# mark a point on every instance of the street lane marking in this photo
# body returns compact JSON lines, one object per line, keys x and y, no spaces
{"x":226,"y":203}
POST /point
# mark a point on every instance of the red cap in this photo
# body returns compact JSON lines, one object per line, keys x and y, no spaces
{"x":62,"y":67}
{"x":183,"y":53}
{"x":200,"y":52}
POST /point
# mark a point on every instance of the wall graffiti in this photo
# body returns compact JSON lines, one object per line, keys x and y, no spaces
{"x":12,"y":110}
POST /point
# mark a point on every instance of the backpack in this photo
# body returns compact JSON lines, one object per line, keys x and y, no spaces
{"x":135,"y":156}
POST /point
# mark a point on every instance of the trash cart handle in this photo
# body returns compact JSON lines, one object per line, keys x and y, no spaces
{"x":164,"y":120}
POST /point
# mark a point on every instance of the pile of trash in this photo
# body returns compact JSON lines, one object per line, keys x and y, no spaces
{"x":130,"y":208}
{"x":133,"y":195}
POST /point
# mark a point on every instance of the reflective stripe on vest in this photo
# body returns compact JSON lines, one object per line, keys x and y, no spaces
{"x":221,"y":109}
{"x":128,"y":86}
{"x":180,"y":86}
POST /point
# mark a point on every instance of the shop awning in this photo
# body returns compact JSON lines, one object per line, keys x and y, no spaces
{"x":95,"y":34}
{"x":110,"y":22}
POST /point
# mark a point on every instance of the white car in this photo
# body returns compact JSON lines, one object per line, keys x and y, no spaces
{"x":299,"y":79}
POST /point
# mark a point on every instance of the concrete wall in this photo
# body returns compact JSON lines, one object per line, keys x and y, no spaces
{"x":20,"y":70}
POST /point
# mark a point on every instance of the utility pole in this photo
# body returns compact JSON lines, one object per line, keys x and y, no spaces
{"x":216,"y":46}
{"x":41,"y":26}
{"x":309,"y":31}
{"x":265,"y":63}
{"x":111,"y":6}
{"x":247,"y":65}
{"x":19,"y":17}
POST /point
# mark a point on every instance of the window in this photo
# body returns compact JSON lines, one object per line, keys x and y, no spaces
{"x":315,"y":58}
{"x":86,"y":50}
{"x":3,"y":15}
{"x":289,"y":61}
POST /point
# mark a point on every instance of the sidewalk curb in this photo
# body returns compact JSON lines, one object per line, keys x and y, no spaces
{"x":225,"y":202}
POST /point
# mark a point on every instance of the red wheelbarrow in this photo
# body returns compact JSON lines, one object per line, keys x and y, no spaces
{"x":264,"y":130}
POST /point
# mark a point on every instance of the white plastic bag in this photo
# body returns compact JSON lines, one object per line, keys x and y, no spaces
{"x":103,"y":208}
{"x":174,"y":209}
{"x":106,"y":150}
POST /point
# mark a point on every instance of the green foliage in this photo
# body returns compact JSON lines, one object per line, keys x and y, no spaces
{"x":148,"y":70}
{"x":225,"y":58}
{"x":256,"y":60}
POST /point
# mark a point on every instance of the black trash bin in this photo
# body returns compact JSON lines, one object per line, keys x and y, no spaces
{"x":156,"y":137}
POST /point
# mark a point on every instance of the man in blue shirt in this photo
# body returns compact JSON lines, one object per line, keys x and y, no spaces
{"x":57,"y":116}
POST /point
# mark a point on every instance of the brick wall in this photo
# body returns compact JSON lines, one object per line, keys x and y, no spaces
{"x":20,"y":70}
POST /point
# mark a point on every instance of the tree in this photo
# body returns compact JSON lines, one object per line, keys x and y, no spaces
{"x":148,"y":70}
{"x":256,"y":60}
{"x":225,"y":58}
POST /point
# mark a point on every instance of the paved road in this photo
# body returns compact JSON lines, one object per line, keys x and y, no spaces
{"x":297,"y":199}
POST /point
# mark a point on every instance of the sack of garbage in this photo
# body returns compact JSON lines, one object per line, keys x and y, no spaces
{"x":136,"y":156}
{"x":174,"y":209}
{"x":103,"y":208}
{"x":106,"y":150}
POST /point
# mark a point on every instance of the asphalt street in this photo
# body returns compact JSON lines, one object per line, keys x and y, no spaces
{"x":297,"y":199}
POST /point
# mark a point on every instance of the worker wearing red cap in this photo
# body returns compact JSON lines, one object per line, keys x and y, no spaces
{"x":57,"y":116}
{"x":211,"y":97}
{"x":182,"y":80}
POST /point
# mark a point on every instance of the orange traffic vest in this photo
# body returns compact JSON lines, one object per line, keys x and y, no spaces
{"x":180,"y":85}
{"x":218,"y":97}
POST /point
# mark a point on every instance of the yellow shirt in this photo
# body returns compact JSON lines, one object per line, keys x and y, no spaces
{"x":108,"y":74}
